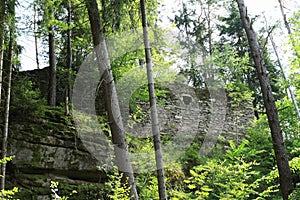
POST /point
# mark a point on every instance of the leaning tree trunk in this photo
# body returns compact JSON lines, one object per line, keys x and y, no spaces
{"x":7,"y":105}
{"x":2,"y":30}
{"x":154,"y":115}
{"x":285,"y":176}
{"x":52,"y":68}
{"x":112,"y":106}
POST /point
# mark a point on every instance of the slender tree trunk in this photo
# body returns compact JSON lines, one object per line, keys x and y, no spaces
{"x":154,"y":115}
{"x":35,"y":35}
{"x":285,"y":176}
{"x":2,"y":31}
{"x":283,"y":73}
{"x":208,"y":18}
{"x":6,"y":114}
{"x":287,"y":25}
{"x":285,"y":78}
{"x":69,"y":59}
{"x":103,"y":14}
{"x":112,"y":105}
{"x":52,"y":68}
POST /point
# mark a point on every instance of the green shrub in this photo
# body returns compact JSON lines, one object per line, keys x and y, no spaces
{"x":227,"y":180}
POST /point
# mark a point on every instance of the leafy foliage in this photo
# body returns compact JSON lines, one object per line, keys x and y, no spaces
{"x":8,"y":194}
{"x":26,"y":100}
{"x":118,"y":190}
{"x":232,"y":178}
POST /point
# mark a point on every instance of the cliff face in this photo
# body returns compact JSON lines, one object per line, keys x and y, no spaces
{"x":49,"y":147}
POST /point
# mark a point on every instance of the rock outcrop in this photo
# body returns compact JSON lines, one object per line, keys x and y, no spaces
{"x":50,"y":148}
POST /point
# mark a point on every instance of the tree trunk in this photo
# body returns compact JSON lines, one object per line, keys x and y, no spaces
{"x":287,"y":25}
{"x":2,"y":31}
{"x":111,"y":99}
{"x":103,"y":14}
{"x":285,"y":176}
{"x":209,"y":21}
{"x":69,"y":59}
{"x":284,"y":75}
{"x":52,"y":68}
{"x":35,"y":35}
{"x":154,"y":115}
{"x":6,"y":114}
{"x":286,"y":79}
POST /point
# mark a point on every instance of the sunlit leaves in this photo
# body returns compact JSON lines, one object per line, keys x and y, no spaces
{"x":233,"y":70}
{"x":225,"y":180}
{"x":295,"y":42}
